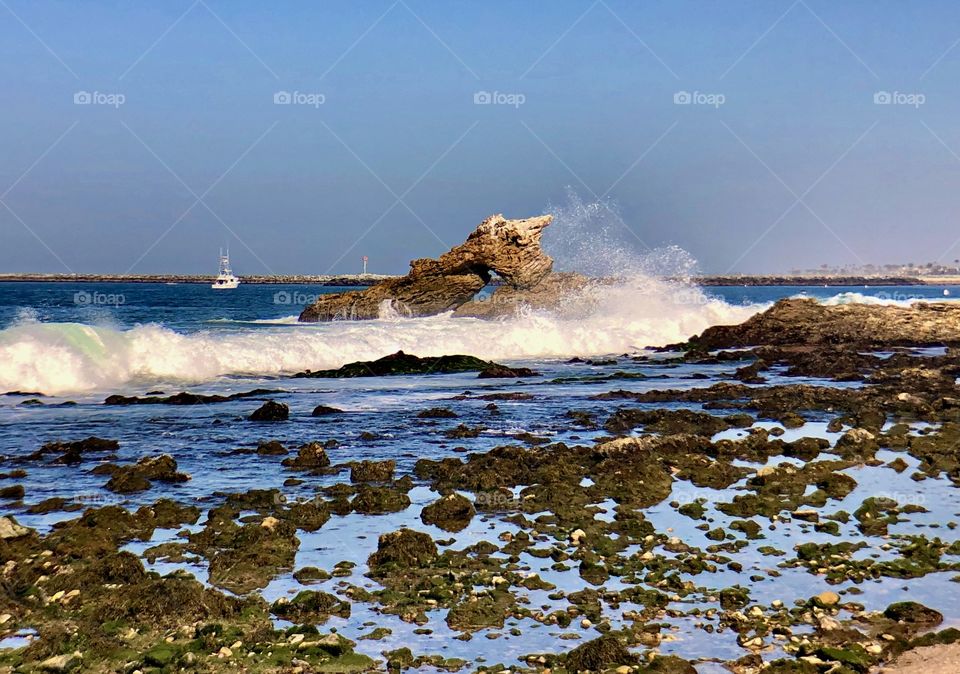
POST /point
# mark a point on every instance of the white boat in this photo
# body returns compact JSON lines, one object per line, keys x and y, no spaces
{"x":225,"y":279}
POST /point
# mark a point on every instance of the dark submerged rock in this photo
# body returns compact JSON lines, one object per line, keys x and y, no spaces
{"x":271,"y":411}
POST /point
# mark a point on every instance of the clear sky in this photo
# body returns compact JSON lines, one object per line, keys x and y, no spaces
{"x":783,"y":152}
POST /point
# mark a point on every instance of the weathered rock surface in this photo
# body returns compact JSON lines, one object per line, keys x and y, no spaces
{"x":554,"y":291}
{"x":510,"y":248}
{"x":806,"y":321}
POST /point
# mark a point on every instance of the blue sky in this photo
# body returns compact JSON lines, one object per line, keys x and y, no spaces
{"x":781,"y":159}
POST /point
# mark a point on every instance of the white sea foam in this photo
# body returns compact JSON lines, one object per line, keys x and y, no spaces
{"x":60,"y":358}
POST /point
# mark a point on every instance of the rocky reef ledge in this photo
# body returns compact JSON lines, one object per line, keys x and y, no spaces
{"x":508,"y":248}
{"x":807,"y":322}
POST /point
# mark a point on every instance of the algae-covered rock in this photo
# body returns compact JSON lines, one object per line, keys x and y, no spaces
{"x":911,"y":612}
{"x":669,"y":664}
{"x":372,"y":471}
{"x":310,"y":608}
{"x":309,"y":456}
{"x":452,"y":512}
{"x":481,"y":612}
{"x":379,"y":500}
{"x":600,"y":654}
{"x":402,"y":549}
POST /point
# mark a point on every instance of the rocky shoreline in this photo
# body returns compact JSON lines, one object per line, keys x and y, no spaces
{"x":765,"y":470}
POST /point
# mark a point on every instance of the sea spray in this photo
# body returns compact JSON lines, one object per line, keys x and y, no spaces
{"x":68,"y":357}
{"x":634,"y":306}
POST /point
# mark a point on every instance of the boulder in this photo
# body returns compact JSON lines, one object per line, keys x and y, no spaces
{"x":911,"y":612}
{"x":9,"y":529}
{"x":372,"y":471}
{"x":497,"y":371}
{"x":509,"y":248}
{"x":402,"y":549}
{"x":310,"y":456}
{"x":452,"y":512}
{"x":597,"y":655}
{"x":271,"y":411}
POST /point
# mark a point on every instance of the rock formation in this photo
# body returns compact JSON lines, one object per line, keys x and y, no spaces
{"x":551,"y":293}
{"x":806,"y":321}
{"x":509,"y":248}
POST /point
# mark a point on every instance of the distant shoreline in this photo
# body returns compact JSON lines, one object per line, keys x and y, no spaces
{"x":293,"y":279}
{"x":363,"y":280}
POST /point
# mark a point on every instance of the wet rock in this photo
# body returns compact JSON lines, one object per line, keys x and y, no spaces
{"x":12,"y":493}
{"x":324,"y":411}
{"x":185,"y":398}
{"x":495,"y":371}
{"x":372,"y":471}
{"x":402,"y":549}
{"x":73,"y":452}
{"x":481,"y":612}
{"x":855,"y":656}
{"x":139,"y":477}
{"x":401,"y":363}
{"x":379,"y":500}
{"x":666,"y":421}
{"x":310,"y":608}
{"x":310,"y":574}
{"x":310,"y":456}
{"x":912,"y":613}
{"x":669,"y":664}
{"x":603,"y":653}
{"x":511,"y":248}
{"x":271,"y":411}
{"x":463,"y":431}
{"x":271,"y":448}
{"x":244,"y":558}
{"x":452,"y":512}
{"x":806,"y":321}
{"x":437,"y":413}
{"x":54,"y":504}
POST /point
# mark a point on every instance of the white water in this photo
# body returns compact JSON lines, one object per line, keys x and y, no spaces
{"x":58,"y":358}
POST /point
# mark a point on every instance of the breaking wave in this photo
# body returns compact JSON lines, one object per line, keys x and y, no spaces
{"x":57,"y":358}
{"x":636,"y":308}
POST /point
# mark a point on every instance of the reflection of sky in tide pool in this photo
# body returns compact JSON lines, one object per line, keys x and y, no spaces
{"x":203,"y":439}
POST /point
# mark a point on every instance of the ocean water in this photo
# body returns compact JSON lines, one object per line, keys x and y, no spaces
{"x":78,"y":344}
{"x":61,"y":338}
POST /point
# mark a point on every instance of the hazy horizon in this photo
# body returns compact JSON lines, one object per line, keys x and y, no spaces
{"x":758,"y":137}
